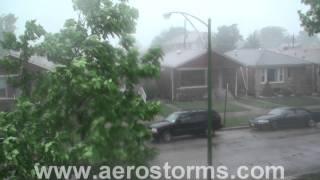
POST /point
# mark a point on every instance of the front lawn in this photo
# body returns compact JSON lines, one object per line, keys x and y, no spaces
{"x":237,"y":121}
{"x":166,"y":109}
{"x":270,"y":103}
{"x":294,"y":101}
{"x":216,"y":105}
{"x":256,"y":102}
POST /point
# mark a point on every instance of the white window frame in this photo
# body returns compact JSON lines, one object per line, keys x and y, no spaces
{"x":200,"y":86}
{"x":280,"y":72}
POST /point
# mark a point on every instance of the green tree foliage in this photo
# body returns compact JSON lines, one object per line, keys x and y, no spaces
{"x":226,"y":38}
{"x":272,"y":36}
{"x":87,"y":111}
{"x":7,"y":24}
{"x":64,"y":46}
{"x":252,"y":41}
{"x":311,"y":19}
{"x":166,"y":36}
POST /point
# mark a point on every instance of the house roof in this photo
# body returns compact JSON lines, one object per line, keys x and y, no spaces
{"x":39,"y":61}
{"x":263,"y":57}
{"x":177,"y":58}
{"x":307,"y":54}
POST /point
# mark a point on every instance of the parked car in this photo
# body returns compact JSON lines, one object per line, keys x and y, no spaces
{"x":286,"y":117}
{"x":184,"y":123}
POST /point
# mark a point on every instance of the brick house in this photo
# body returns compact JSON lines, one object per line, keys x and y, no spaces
{"x":283,"y":72}
{"x":8,"y":93}
{"x":184,"y":75}
{"x":311,"y":55}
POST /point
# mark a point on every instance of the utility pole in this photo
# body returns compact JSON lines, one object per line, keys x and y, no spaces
{"x":209,"y":76}
{"x":209,"y":156}
{"x":293,"y":41}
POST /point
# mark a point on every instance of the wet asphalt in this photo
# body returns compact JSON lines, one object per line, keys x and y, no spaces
{"x":298,"y":150}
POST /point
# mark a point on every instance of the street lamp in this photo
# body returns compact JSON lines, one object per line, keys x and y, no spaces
{"x":209,"y":75}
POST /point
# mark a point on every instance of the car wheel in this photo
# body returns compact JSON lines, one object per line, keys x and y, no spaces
{"x":274,"y":125}
{"x":166,"y":136}
{"x":311,"y":123}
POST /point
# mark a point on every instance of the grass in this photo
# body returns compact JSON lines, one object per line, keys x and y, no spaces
{"x":237,"y":121}
{"x":269,"y":103}
{"x":166,"y":109}
{"x":218,"y":106}
{"x":295,"y":101}
{"x":256,"y":102}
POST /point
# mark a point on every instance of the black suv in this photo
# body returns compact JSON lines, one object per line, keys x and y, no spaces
{"x":184,"y":123}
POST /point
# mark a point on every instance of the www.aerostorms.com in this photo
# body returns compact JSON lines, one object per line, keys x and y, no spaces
{"x":158,"y":172}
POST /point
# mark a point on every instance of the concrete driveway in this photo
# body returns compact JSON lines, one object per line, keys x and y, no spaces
{"x":298,"y":150}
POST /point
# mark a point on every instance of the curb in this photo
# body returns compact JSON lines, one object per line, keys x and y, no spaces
{"x":234,"y":128}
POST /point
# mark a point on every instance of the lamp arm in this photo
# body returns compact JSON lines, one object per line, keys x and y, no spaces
{"x":187,"y":14}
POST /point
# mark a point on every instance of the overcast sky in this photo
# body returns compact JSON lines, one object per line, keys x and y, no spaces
{"x":248,"y":14}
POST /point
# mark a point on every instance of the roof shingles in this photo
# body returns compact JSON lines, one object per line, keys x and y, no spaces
{"x":262,"y":57}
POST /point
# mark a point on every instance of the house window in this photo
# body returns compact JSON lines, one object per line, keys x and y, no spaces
{"x":192,"y":78}
{"x":3,"y":86}
{"x":272,"y":75}
{"x":263,"y":77}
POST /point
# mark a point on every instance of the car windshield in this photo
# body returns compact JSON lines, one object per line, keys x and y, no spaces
{"x":276,"y":111}
{"x":172,"y":117}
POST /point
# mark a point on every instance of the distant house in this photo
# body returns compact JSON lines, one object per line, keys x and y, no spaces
{"x":184,"y":70}
{"x":8,"y":93}
{"x":184,"y":74}
{"x":281,"y":71}
{"x":311,"y":55}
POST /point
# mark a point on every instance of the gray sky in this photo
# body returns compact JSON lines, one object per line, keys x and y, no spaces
{"x":248,"y":14}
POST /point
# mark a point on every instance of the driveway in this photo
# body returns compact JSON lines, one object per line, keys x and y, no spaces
{"x":298,"y":150}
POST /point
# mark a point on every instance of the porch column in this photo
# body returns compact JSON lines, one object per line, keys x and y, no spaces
{"x":247,"y":74}
{"x":236,"y":84}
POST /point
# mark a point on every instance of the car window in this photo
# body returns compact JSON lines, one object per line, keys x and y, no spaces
{"x":173,"y":117}
{"x":290,"y":113}
{"x":198,"y":117}
{"x":185,"y":118}
{"x":301,"y":112}
{"x":277,"y":111}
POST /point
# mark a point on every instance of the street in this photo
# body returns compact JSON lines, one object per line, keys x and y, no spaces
{"x":296,"y":149}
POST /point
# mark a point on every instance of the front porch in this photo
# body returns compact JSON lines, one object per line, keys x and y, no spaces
{"x":188,"y":80}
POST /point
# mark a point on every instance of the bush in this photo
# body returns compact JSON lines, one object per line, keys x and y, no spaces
{"x":267,"y":91}
{"x":285,"y":92}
